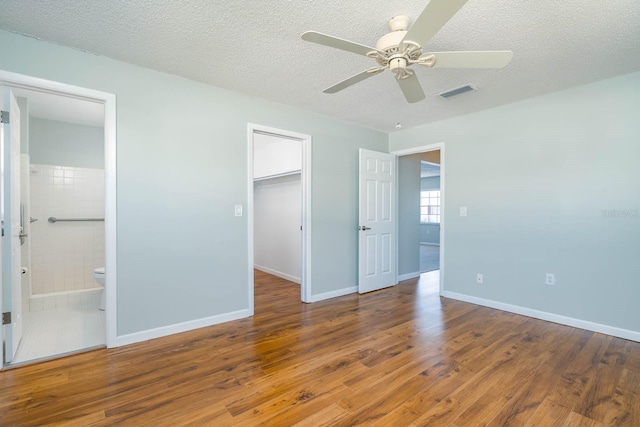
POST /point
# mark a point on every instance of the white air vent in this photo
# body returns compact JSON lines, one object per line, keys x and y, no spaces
{"x":457,"y":91}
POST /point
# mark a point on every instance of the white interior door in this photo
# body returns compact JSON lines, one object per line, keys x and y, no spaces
{"x":11,"y":261}
{"x":377,"y":214}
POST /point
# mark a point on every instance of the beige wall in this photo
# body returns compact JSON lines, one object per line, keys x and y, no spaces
{"x":430,"y":156}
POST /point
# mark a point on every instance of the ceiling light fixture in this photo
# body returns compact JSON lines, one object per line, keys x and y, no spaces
{"x":398,"y":125}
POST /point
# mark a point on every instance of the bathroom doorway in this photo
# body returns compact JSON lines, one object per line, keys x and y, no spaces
{"x":67,"y":205}
{"x":278,"y":210}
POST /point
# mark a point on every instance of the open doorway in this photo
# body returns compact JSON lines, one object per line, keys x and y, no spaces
{"x":421,"y":213}
{"x":279,"y":206}
{"x":430,"y":212}
{"x":66,"y":199}
{"x":62,"y":201}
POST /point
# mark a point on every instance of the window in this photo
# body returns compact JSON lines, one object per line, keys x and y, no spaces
{"x":430,"y":207}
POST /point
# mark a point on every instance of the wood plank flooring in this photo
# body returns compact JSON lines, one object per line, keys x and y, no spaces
{"x":397,"y":357}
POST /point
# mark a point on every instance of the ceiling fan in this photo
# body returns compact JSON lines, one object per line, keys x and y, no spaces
{"x":402,"y":48}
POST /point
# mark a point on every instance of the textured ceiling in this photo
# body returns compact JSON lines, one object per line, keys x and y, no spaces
{"x":255,"y":48}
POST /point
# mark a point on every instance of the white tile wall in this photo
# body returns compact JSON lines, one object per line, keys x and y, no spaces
{"x":64,"y":254}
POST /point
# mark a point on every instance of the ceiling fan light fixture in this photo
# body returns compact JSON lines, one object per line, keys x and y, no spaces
{"x":398,"y":66}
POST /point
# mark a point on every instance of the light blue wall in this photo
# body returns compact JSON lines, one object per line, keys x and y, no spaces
{"x":536,"y":176}
{"x":66,"y":144}
{"x":181,"y":166}
{"x":430,"y":183}
{"x":409,"y":214}
{"x":430,"y":233}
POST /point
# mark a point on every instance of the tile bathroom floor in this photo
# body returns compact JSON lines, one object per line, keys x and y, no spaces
{"x":59,"y":331}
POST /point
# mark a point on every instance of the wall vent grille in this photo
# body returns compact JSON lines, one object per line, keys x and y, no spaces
{"x":457,"y":91}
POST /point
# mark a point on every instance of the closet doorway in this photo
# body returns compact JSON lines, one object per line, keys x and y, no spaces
{"x":279,"y":206}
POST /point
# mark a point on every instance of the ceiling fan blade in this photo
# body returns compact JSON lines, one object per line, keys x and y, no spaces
{"x":352,"y":80}
{"x":479,"y":59}
{"x":433,"y":17}
{"x":411,"y":88}
{"x":338,"y":43}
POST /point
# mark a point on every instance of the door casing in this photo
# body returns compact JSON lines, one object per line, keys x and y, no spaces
{"x":15,"y":80}
{"x":305,"y":286}
{"x":423,"y":149}
{"x":12,"y":223}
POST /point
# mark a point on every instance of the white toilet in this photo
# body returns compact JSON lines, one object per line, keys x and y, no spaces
{"x":100,"y":277}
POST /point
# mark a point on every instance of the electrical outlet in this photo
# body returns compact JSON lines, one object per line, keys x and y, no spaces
{"x":550,"y":279}
{"x":479,"y":279}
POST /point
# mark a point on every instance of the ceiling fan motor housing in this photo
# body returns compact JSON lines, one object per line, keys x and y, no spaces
{"x":398,"y":54}
{"x":390,"y":41}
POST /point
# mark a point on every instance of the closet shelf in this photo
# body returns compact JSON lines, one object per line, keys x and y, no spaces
{"x":278,"y":175}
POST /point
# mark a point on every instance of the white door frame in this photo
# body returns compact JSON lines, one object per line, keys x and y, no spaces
{"x":305,"y":285}
{"x":14,"y":80}
{"x":424,"y":149}
{"x":13,"y":222}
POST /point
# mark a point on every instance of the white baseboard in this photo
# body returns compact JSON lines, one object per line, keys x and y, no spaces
{"x":181,"y":327}
{"x":550,"y":317}
{"x":408,"y":276}
{"x":333,"y":294}
{"x":278,"y":273}
{"x":429,"y":244}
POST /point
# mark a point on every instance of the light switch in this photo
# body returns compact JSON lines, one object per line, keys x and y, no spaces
{"x":463,"y":211}
{"x":238,"y":210}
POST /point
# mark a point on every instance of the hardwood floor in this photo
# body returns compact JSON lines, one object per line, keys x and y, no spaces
{"x":396,"y":357}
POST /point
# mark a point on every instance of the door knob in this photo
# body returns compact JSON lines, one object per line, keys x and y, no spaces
{"x":364,"y":228}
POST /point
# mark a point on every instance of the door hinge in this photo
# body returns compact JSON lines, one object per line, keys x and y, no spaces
{"x":4,"y":117}
{"x":6,"y":318}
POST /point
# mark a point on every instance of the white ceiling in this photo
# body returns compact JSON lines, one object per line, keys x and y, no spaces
{"x":429,"y":169}
{"x":255,"y":48}
{"x":62,"y":108}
